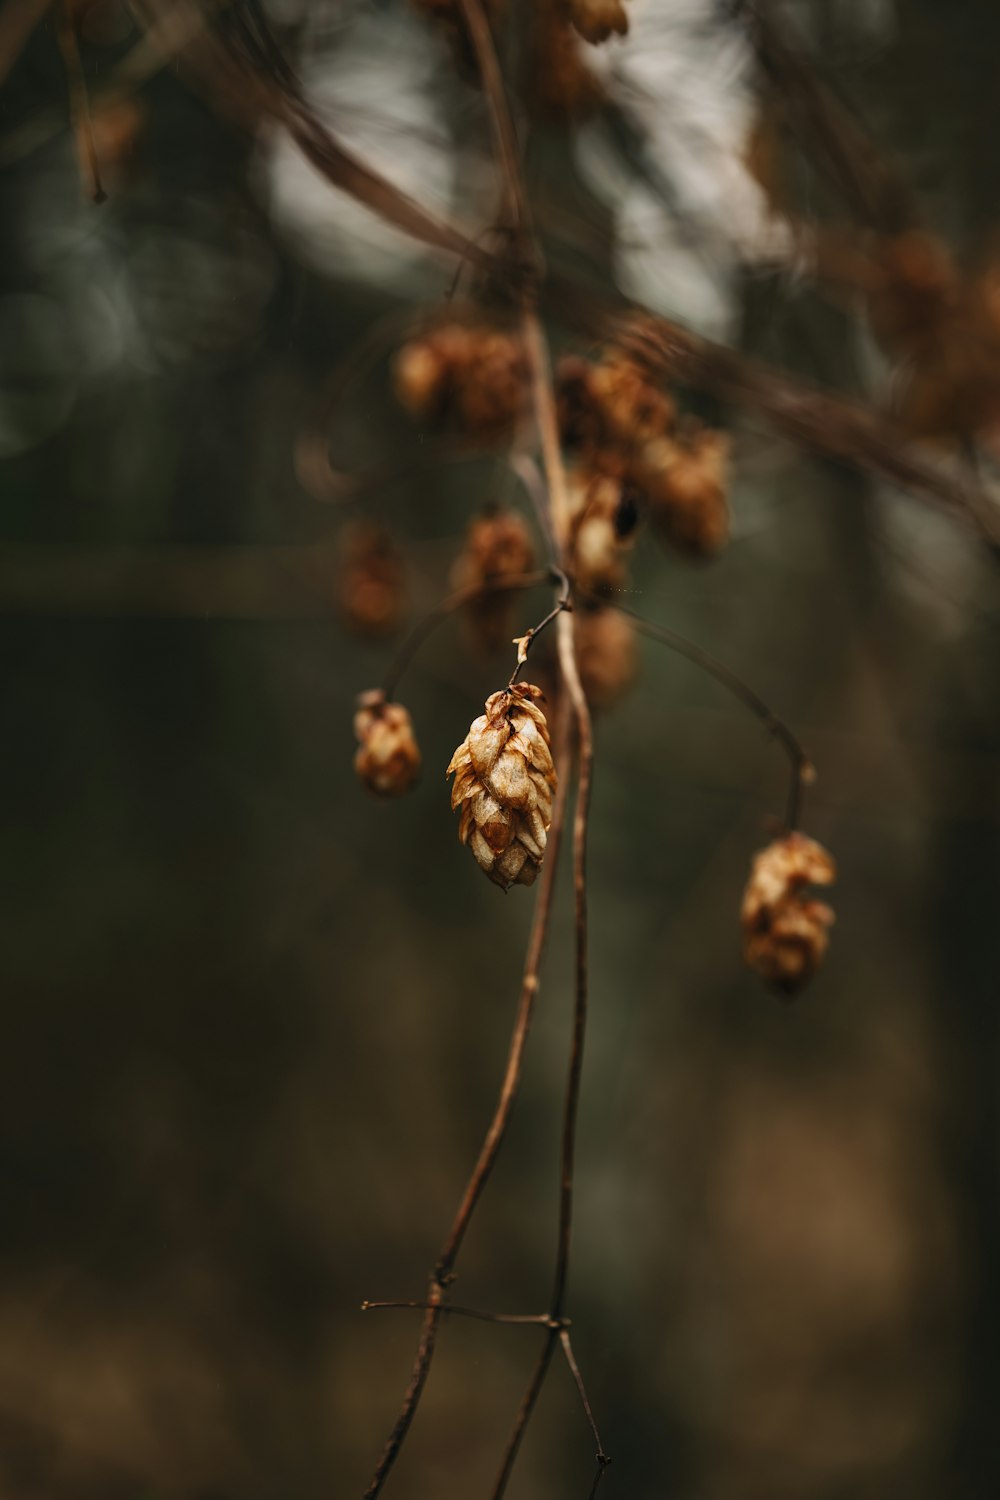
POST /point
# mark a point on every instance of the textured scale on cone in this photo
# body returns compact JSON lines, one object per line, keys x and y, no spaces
{"x":504,"y":783}
{"x":785,"y":930}
{"x":387,"y":759}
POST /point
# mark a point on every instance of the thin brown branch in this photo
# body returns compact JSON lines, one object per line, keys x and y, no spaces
{"x":525,"y":642}
{"x":504,"y":134}
{"x":245,"y":95}
{"x":802,"y":772}
{"x":447,"y":1308}
{"x":444,"y":1270}
{"x":528,"y":1403}
{"x":603,"y":1459}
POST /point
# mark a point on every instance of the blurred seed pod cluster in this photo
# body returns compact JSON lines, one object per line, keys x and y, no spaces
{"x":371,"y":588}
{"x":472,"y":378}
{"x":674,"y":469}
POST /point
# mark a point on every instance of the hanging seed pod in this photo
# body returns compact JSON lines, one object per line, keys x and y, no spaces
{"x":371,"y":590}
{"x":685,"y":480}
{"x":474,"y":378}
{"x":497,"y":545}
{"x":598,"y":542}
{"x":611,"y":406}
{"x":785,"y":931}
{"x":605,"y":653}
{"x":596,"y":20}
{"x":387,"y":758}
{"x":504,"y":783}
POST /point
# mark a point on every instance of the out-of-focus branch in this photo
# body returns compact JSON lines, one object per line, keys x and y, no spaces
{"x":830,"y":425}
{"x":875,"y":191}
{"x":234,"y":84}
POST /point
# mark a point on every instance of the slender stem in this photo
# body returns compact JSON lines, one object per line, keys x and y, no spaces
{"x":528,"y":1402}
{"x":525,"y":642}
{"x":446,"y":609}
{"x":567,"y":1348}
{"x":802,"y":771}
{"x":504,"y":134}
{"x":444,"y":1270}
{"x":447,"y":1308}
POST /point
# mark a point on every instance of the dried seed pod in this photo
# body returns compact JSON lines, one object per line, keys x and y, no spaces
{"x":685,"y":482}
{"x":611,"y":405}
{"x":596,"y":20}
{"x":504,"y":783}
{"x":387,"y":758}
{"x":371,"y":589}
{"x":785,"y":930}
{"x":597,"y":543}
{"x":475,"y":377}
{"x":605,"y":653}
{"x":497,"y":545}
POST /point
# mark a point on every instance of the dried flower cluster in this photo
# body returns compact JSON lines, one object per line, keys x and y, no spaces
{"x":471,"y":376}
{"x":371,"y":586}
{"x":623,"y":425}
{"x":785,"y":930}
{"x":504,"y":782}
{"x":497,"y":545}
{"x":387,"y":758}
{"x":602,"y":530}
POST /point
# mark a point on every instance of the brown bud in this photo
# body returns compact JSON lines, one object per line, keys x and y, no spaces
{"x":596,"y":20}
{"x":497,"y":545}
{"x":605,"y":653}
{"x":371,"y":585}
{"x":387,"y":759}
{"x":685,"y":481}
{"x":504,"y":782}
{"x":785,"y":930}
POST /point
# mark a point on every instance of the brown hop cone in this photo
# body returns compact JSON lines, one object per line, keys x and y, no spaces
{"x":686,"y":481}
{"x":474,"y":377}
{"x":371,"y":590}
{"x":605,"y":653}
{"x":596,"y":20}
{"x":387,"y":758}
{"x":497,"y":545}
{"x":610,"y":406}
{"x":785,"y":930}
{"x":504,"y":782}
{"x":597,"y":543}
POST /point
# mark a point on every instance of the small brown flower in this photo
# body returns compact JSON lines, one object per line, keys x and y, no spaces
{"x":497,"y":545}
{"x":784,"y":930}
{"x":387,"y":758}
{"x":685,"y":481}
{"x":371,"y":590}
{"x":605,"y":652}
{"x":504,"y":782}
{"x":596,"y":20}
